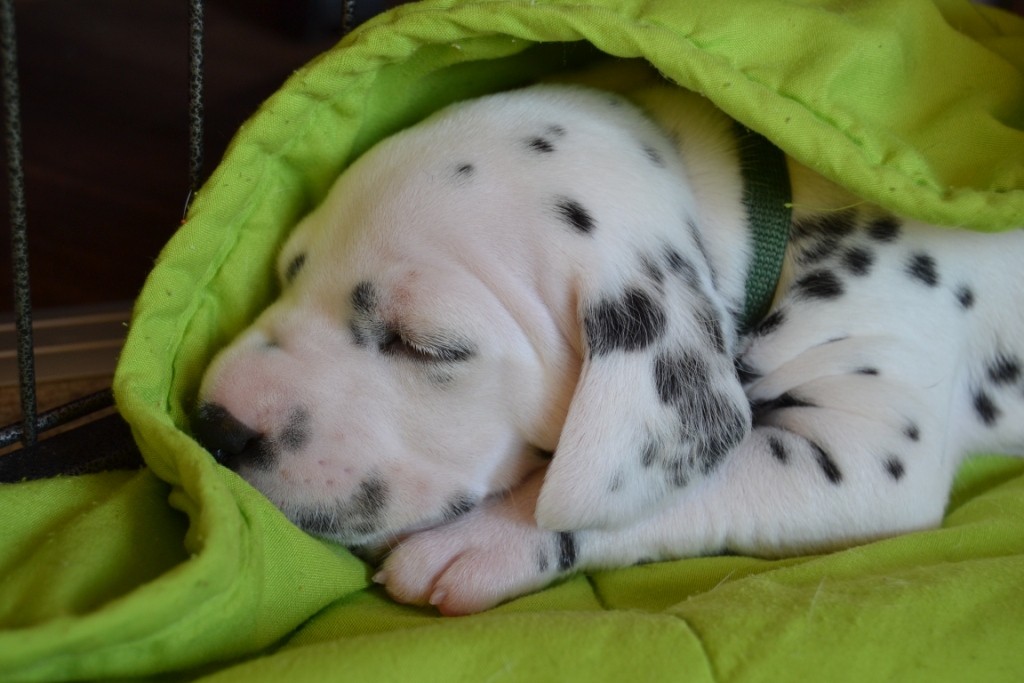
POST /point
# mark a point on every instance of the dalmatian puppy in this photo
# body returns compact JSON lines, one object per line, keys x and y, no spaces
{"x":508,"y":347}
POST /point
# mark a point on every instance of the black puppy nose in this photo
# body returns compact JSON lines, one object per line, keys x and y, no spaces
{"x":221,"y":433}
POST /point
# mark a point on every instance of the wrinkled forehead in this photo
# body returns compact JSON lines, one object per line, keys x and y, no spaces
{"x":385,"y":208}
{"x":396,"y":266}
{"x":379,"y":283}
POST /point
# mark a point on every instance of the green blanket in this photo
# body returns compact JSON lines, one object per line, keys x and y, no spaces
{"x":182,"y":571}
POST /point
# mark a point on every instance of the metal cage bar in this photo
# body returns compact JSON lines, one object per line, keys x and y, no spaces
{"x":19,"y":224}
{"x":195,"y":95}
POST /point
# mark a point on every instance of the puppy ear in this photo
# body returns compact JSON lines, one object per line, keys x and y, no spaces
{"x":658,"y":404}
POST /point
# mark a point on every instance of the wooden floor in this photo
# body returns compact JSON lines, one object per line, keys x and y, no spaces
{"x":50,"y":395}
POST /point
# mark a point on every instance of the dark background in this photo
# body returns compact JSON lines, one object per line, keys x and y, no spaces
{"x":104,"y":95}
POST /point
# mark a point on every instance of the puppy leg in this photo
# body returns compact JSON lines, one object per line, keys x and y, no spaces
{"x":658,"y":405}
{"x":780,"y":492}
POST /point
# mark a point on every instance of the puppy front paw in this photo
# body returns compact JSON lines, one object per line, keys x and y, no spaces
{"x":476,"y":562}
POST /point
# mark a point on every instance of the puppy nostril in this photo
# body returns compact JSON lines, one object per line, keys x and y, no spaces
{"x":222,"y":433}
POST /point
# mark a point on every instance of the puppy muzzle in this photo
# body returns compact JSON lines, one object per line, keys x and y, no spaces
{"x":231,"y":442}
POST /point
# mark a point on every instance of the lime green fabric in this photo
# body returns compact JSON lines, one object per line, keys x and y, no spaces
{"x":183,"y":570}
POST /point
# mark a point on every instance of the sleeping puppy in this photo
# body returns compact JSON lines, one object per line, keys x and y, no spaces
{"x":510,"y":345}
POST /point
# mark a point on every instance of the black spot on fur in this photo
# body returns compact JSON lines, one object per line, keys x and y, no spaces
{"x":372,"y":498}
{"x":681,"y":377}
{"x":819,"y":237}
{"x":615,"y":485}
{"x":912,"y":432}
{"x":678,"y":472}
{"x":778,"y":449}
{"x":364,"y":298}
{"x":566,"y":551}
{"x":459,"y":505}
{"x":728,"y":426}
{"x":826,"y":463}
{"x":895,"y":468}
{"x":654,"y":155}
{"x":629,"y":323}
{"x":965,"y":297}
{"x":540,"y":144}
{"x":543,"y":562}
{"x":653,"y":270}
{"x":986,"y":408}
{"x":820,"y":249}
{"x":360,"y":515}
{"x":1004,"y":369}
{"x":682,"y":267}
{"x":820,"y":284}
{"x":710,"y":425}
{"x":573,"y":213}
{"x":770,"y":324}
{"x":884,"y":229}
{"x":296,"y":431}
{"x":649,"y":454}
{"x":837,"y":224}
{"x":923,"y":268}
{"x":294,"y":267}
{"x":465,"y":171}
{"x":872,"y":372}
{"x":555,"y":131}
{"x":317,"y":522}
{"x":858,"y":260}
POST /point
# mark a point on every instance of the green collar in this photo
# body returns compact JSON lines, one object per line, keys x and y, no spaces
{"x":767,"y":197}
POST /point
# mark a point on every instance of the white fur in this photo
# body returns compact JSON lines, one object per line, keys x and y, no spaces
{"x":484,"y":261}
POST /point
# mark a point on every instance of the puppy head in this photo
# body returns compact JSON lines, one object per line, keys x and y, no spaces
{"x":406,"y":371}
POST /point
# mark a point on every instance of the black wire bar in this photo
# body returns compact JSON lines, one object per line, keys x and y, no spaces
{"x":195,"y":95}
{"x":68,"y":412}
{"x":19,"y":224}
{"x":348,"y":16}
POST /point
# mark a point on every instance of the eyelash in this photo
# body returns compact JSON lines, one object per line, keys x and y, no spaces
{"x":395,"y":344}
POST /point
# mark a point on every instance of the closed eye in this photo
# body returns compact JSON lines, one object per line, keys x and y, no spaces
{"x":426,"y":349}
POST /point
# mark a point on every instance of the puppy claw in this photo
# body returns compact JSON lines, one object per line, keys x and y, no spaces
{"x":438,"y":597}
{"x":380,"y":577}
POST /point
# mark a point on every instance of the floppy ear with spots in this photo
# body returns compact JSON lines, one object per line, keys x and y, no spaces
{"x":658,"y":403}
